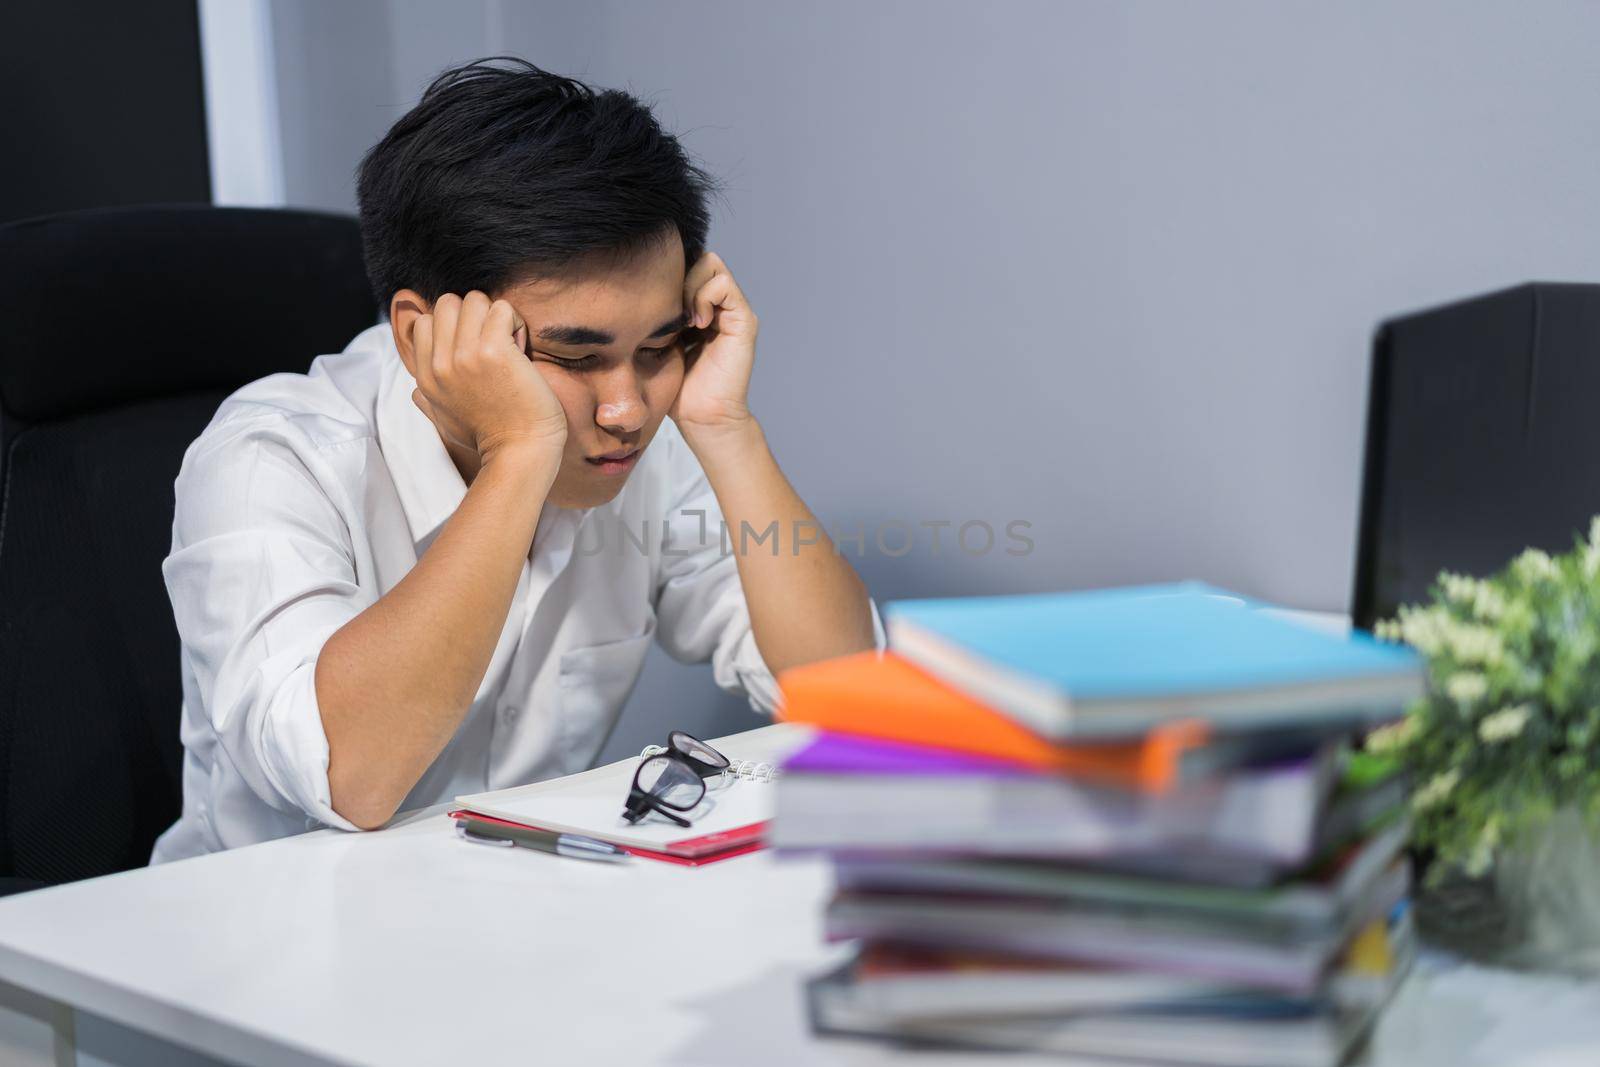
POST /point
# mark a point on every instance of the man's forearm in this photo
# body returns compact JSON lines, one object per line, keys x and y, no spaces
{"x":395,"y":682}
{"x":806,"y":601}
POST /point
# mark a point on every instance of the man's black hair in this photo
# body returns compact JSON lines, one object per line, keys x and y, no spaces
{"x":504,"y":173}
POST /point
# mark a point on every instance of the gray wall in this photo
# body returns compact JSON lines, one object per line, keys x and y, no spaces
{"x":346,"y":71}
{"x":1109,"y":267}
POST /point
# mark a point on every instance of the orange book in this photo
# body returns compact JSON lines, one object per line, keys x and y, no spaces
{"x":885,"y":697}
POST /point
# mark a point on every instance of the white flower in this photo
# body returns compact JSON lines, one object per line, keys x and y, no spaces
{"x":1482,"y":854}
{"x":1388,"y":738}
{"x":1480,"y":598}
{"x":1434,"y":630}
{"x":1437,"y":788}
{"x":1475,"y":644}
{"x":1422,"y":629}
{"x":1535,"y":565}
{"x":1466,"y":687}
{"x":1504,"y":724}
{"x":1458,"y":587}
{"x":1487,"y":602}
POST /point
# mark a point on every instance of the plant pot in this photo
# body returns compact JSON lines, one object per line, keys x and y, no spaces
{"x":1537,"y":909}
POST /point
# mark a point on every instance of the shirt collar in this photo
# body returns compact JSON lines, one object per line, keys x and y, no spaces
{"x":424,"y":475}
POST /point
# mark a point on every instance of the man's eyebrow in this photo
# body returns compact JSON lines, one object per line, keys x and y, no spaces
{"x":586,"y":335}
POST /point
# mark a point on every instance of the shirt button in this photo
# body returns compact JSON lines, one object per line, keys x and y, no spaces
{"x":508,"y":713}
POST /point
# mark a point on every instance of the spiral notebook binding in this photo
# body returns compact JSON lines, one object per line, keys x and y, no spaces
{"x":753,"y":770}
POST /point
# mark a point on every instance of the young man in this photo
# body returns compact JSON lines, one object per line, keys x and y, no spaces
{"x":434,"y":563}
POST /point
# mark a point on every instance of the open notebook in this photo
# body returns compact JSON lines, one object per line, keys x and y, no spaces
{"x":732,"y":817}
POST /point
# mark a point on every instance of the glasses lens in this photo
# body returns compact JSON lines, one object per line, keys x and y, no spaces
{"x":695,"y":748}
{"x":670,"y":782}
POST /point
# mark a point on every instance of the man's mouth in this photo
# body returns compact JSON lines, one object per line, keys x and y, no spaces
{"x":618,"y":462}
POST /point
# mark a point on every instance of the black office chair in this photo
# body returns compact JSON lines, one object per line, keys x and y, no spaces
{"x":120,"y":333}
{"x":1481,"y":439}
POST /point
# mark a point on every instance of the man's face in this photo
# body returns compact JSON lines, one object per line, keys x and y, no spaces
{"x":608,"y":342}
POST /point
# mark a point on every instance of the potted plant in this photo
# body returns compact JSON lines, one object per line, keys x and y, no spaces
{"x":1505,"y":755}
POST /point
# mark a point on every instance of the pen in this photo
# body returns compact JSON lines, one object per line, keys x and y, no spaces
{"x":574,"y":846}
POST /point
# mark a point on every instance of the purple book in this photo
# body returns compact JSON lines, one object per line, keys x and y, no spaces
{"x":832,"y":753}
{"x":845,"y":793}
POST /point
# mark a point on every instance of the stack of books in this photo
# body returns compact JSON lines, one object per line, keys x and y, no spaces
{"x":1125,"y":823}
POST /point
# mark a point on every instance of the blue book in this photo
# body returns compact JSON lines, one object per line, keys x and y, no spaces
{"x":1114,"y":663}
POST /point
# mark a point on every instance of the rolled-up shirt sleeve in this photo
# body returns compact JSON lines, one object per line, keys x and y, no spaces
{"x":701,"y":612}
{"x":261,"y":574}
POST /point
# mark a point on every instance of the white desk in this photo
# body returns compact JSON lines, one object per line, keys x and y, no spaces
{"x":408,"y":946}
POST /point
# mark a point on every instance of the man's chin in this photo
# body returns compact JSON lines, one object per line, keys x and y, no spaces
{"x":579,"y":492}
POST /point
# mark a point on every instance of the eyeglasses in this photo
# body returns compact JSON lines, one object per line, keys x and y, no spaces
{"x":673,"y":779}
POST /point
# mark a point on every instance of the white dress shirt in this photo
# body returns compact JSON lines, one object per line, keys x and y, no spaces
{"x":309,"y":496}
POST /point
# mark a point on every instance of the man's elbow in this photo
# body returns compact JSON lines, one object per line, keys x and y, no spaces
{"x":375,"y":817}
{"x":365,"y":804}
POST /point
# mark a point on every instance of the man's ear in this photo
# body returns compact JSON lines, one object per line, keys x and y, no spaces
{"x":405,"y":308}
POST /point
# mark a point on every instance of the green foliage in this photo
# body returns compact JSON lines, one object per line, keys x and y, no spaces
{"x":1510,"y":729}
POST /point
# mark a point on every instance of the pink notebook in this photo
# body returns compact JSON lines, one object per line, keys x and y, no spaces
{"x":731,"y":820}
{"x":693,"y":852}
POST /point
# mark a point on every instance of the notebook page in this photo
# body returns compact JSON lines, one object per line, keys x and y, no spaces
{"x":590,"y":802}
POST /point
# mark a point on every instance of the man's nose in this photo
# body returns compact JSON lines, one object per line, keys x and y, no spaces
{"x":619,"y":403}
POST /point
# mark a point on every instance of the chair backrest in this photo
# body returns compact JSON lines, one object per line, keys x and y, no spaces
{"x":123,"y":330}
{"x":1481,"y":435}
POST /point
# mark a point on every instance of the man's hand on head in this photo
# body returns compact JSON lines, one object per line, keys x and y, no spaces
{"x":476,"y":382}
{"x":714,"y":400}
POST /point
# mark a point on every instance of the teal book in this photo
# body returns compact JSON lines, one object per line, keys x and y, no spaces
{"x":1113,"y":663}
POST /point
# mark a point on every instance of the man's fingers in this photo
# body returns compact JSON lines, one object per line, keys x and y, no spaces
{"x":469,"y":327}
{"x":704,"y":267}
{"x":422,"y":350}
{"x":503,"y":322}
{"x":718,"y":291}
{"x":422,"y":403}
{"x":446,"y":312}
